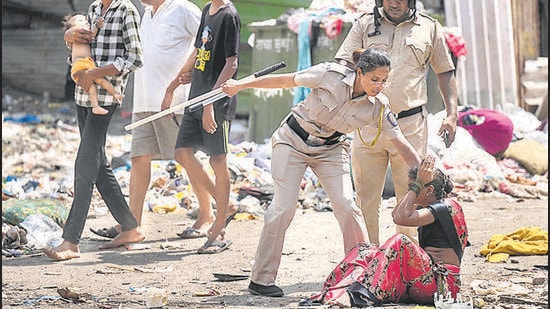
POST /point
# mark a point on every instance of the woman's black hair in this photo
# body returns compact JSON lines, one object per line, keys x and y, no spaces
{"x":370,"y":59}
{"x":443,"y":185}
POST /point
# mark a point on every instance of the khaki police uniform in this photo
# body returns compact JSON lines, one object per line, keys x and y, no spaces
{"x":413,"y":46}
{"x":327,"y":111}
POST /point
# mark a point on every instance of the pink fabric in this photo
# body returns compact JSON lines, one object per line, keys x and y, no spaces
{"x":399,"y":271}
{"x":494,"y":133}
{"x":459,"y":220}
{"x":456,"y":44}
{"x":333,"y":26}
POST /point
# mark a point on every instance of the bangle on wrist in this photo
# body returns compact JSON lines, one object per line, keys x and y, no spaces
{"x":414,"y":187}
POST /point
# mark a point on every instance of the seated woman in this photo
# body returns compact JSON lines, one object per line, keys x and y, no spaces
{"x":400,"y":271}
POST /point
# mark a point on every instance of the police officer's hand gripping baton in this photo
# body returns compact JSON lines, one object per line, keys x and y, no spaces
{"x":204,"y":99}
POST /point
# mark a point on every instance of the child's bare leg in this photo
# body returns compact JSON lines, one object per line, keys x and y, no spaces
{"x":96,"y":109}
{"x":109,"y":87}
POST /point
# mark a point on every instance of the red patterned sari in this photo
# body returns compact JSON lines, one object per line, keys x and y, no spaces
{"x":399,"y":271}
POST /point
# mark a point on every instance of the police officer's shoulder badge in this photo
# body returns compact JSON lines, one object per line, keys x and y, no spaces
{"x":392,"y":119}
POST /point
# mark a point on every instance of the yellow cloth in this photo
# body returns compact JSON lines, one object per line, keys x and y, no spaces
{"x":527,"y":240}
{"x":82,"y":64}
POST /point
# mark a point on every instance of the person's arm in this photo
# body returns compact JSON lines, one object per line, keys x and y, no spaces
{"x":229,"y":69}
{"x":184,"y":76}
{"x":232,"y":87}
{"x":406,"y":212}
{"x":447,"y":87}
{"x":87,"y":77}
{"x":406,"y":150}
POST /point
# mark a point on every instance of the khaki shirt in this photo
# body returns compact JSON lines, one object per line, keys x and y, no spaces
{"x":412,"y":45}
{"x":329,"y":107}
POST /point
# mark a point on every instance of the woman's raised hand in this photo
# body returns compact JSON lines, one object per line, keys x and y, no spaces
{"x":426,"y":169}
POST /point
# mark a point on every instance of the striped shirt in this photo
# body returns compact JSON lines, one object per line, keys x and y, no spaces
{"x":117,"y":43}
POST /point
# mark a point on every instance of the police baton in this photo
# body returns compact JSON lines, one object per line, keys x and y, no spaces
{"x":204,"y":99}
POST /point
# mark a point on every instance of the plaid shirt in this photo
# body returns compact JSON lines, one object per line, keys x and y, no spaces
{"x":117,"y":43}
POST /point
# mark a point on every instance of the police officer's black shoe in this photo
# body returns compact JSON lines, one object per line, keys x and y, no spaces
{"x":265,"y":290}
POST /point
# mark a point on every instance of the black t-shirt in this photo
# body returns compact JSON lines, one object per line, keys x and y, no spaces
{"x":218,"y":38}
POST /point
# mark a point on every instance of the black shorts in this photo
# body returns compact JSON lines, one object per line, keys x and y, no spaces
{"x":192,"y":135}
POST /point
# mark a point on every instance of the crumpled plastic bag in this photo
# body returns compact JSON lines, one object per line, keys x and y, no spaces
{"x":42,"y":231}
{"x":15,"y":211}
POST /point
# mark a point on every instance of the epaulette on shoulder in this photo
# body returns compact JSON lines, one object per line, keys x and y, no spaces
{"x":336,"y":67}
{"x":365,"y":15}
{"x":423,"y":14}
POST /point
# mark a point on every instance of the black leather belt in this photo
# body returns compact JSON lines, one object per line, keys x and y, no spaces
{"x":409,"y":112}
{"x":310,"y":139}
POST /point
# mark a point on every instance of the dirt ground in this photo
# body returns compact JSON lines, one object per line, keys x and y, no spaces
{"x":120,"y":278}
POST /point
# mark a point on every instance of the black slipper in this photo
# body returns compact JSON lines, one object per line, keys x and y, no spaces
{"x":229,"y":277}
{"x":105,"y":232}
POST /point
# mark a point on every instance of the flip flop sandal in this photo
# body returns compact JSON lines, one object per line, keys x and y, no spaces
{"x":105,"y":232}
{"x":190,"y":233}
{"x":216,"y":246}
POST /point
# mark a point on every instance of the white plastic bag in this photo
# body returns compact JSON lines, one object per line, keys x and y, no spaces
{"x":42,"y":231}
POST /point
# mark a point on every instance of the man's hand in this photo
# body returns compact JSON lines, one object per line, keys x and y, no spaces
{"x":208,"y":120}
{"x":167,"y":100}
{"x":448,"y":128}
{"x":80,"y":35}
{"x":85,"y":79}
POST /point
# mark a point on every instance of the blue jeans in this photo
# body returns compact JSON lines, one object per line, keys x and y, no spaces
{"x":92,"y":167}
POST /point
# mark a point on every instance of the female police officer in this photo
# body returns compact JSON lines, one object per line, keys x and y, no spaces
{"x":313,"y":135}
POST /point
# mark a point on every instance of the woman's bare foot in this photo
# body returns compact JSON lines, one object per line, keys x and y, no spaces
{"x":98,"y":110}
{"x":125,"y":237}
{"x":65,"y":251}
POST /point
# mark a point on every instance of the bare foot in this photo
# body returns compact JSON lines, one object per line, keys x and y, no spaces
{"x":65,"y":251}
{"x":203,"y":224}
{"x":98,"y":110}
{"x":126,"y":237}
{"x":216,"y":232}
{"x":231,"y":211}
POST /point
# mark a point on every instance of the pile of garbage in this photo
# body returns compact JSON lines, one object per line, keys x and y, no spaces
{"x":38,"y":155}
{"x":38,"y":172}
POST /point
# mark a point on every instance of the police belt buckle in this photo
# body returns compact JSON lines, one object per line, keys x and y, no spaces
{"x":315,"y":141}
